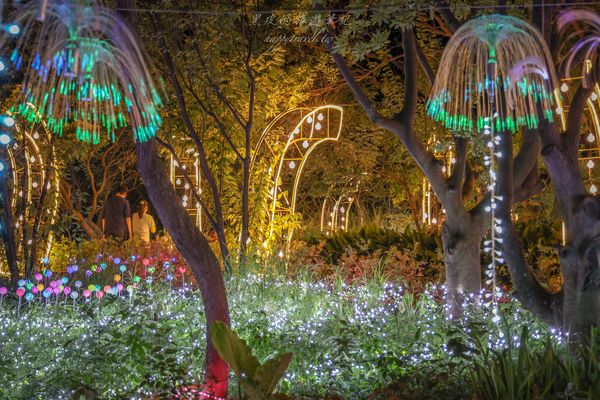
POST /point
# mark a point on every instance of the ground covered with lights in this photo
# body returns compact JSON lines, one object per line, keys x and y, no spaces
{"x":64,"y":336}
{"x":238,"y":200}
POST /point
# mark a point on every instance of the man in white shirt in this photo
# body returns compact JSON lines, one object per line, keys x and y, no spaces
{"x":143,"y":223}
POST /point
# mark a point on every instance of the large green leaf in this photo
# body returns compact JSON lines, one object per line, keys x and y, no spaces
{"x":233,"y":350}
{"x":269,"y":374}
{"x":253,"y":390}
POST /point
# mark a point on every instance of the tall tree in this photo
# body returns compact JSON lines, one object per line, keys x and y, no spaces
{"x":575,"y":308}
{"x":189,"y":241}
{"x":466,"y":217}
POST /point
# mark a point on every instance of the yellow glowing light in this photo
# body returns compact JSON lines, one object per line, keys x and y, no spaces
{"x":34,"y":158}
{"x":312,"y":127}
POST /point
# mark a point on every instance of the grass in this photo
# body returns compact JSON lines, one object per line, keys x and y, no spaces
{"x":349,"y":341}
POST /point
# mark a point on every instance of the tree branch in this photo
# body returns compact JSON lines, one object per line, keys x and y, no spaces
{"x":444,"y":8}
{"x":574,"y":118}
{"x":425,"y":64}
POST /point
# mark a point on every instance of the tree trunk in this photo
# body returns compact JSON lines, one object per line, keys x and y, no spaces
{"x":245,"y":236}
{"x":462,"y":256}
{"x":196,"y":251}
{"x":580,"y":265}
{"x":8,"y":233}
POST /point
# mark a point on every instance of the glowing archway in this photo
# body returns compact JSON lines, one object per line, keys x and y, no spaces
{"x":186,"y":179}
{"x":589,"y":147}
{"x":336,"y":213}
{"x":290,"y":139}
{"x":35,"y":177}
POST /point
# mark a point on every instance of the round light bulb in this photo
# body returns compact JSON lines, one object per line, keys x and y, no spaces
{"x":320,"y":117}
{"x":564,"y":87}
{"x":36,"y":135}
{"x":4,"y":139}
{"x":591,"y":138}
{"x":559,"y":110}
{"x":318,"y":126}
{"x":178,"y":181}
{"x":8,"y":121}
{"x":593,"y":189}
{"x":292,"y":164}
{"x":590,"y":164}
{"x":305,"y":144}
{"x":2,"y":66}
{"x":594,"y":96}
{"x":309,"y":120}
{"x":14,"y":29}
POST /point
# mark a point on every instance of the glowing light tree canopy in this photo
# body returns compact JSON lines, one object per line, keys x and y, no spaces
{"x":86,"y":68}
{"x":480,"y":55}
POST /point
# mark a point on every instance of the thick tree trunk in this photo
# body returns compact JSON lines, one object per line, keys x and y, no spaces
{"x":580,"y":265}
{"x":196,"y":251}
{"x":462,"y":255}
{"x":581,"y":289}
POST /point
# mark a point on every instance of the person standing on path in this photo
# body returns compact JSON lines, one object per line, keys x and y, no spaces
{"x":116,"y":216}
{"x":143,"y":223}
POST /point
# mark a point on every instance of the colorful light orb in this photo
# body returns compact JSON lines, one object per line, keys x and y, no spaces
{"x":477,"y":61}
{"x":13,"y":29}
{"x":3,"y":291}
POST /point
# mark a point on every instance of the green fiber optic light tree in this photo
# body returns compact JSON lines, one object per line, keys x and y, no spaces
{"x":478,"y":91}
{"x":464,"y":227}
{"x":82,"y":67}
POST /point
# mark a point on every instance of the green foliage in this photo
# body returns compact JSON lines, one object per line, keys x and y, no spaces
{"x":370,"y":238}
{"x":258,"y":380}
{"x":526,"y":371}
{"x":348,"y":340}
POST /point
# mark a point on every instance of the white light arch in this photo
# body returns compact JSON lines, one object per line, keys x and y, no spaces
{"x":290,"y":139}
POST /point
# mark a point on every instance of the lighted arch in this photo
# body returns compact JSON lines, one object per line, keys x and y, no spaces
{"x":39,"y":165}
{"x":183,"y":168}
{"x":300,"y":131}
{"x":337,"y":215}
{"x":589,"y":149}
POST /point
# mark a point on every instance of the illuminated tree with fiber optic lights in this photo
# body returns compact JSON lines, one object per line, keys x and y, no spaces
{"x":83,"y":68}
{"x":464,"y":97}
